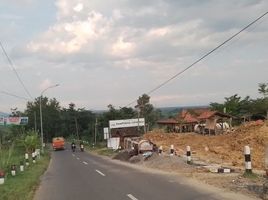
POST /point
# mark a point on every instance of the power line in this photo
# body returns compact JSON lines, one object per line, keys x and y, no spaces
{"x":15,"y":71}
{"x":14,"y":95}
{"x":203,"y":57}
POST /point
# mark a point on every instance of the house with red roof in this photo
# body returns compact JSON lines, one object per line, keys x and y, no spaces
{"x":203,"y":121}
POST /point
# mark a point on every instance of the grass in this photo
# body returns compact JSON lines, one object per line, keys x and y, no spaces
{"x":250,"y":175}
{"x":106,"y":152}
{"x":24,"y":184}
{"x":10,"y":157}
{"x":101,"y":149}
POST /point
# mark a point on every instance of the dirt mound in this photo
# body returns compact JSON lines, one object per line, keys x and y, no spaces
{"x":123,"y":155}
{"x":222,"y":149}
{"x":136,"y":159}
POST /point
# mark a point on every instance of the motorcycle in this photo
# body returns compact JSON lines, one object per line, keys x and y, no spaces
{"x":81,"y":147}
{"x":73,"y":147}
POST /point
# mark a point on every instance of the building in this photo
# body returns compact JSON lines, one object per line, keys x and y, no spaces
{"x":202,"y":121}
{"x":215,"y":122}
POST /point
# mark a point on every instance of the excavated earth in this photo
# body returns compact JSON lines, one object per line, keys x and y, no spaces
{"x":225,"y":149}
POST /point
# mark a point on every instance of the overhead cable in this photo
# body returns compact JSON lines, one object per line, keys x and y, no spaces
{"x":14,"y":95}
{"x":15,"y":71}
{"x":203,"y":57}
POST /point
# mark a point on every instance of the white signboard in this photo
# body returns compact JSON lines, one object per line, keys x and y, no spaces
{"x":113,"y":143}
{"x":126,"y":123}
{"x":106,"y":133}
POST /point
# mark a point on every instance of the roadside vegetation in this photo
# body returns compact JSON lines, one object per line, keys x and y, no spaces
{"x":101,"y":149}
{"x":24,"y":184}
{"x":247,"y":108}
{"x":15,"y":142}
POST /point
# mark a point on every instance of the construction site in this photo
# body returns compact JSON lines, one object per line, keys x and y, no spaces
{"x":225,"y":149}
{"x":209,"y":153}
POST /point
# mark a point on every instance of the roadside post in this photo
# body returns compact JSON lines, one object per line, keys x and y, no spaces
{"x":33,"y":157}
{"x":21,"y":166}
{"x":188,"y":154}
{"x":26,"y":159}
{"x":37,"y":153}
{"x":172,"y":150}
{"x":2,"y":177}
{"x":248,"y":165}
{"x":13,"y":170}
{"x":160,"y":150}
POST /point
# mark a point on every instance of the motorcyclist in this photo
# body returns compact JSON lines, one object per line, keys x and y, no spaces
{"x":73,"y":146}
{"x":81,"y":146}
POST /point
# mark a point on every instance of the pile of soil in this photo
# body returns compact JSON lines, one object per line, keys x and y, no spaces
{"x":225,"y":149}
{"x":123,"y":155}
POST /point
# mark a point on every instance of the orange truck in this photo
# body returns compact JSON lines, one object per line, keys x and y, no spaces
{"x":58,"y":143}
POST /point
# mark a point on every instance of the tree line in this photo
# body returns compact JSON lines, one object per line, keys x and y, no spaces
{"x":245,"y":107}
{"x":80,"y":123}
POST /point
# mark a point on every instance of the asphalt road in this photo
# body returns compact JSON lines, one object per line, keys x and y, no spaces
{"x":79,"y":175}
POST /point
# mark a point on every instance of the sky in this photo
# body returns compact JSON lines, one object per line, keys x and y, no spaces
{"x":111,"y":52}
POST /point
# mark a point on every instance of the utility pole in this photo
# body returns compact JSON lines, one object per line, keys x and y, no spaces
{"x":95,"y":134}
{"x":138,"y":121}
{"x":35,"y":127}
{"x":76,"y":126}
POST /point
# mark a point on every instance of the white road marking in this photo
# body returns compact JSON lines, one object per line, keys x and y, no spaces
{"x":78,"y":158}
{"x":73,"y":155}
{"x":85,"y":162}
{"x":100,"y":172}
{"x":131,"y":197}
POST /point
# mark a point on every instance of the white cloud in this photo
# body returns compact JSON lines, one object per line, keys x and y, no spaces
{"x":159,"y":32}
{"x":44,"y":84}
{"x":71,"y":37}
{"x":122,"y":48}
{"x":79,"y":7}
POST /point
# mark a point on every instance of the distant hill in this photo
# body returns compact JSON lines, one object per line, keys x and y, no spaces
{"x":166,"y":111}
{"x":173,"y":111}
{"x":98,"y":111}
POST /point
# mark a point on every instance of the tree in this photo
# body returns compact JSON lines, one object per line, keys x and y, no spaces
{"x":217,"y":106}
{"x":147,"y":110}
{"x":31,"y":141}
{"x":127,"y":113}
{"x":77,"y":123}
{"x":50,"y":114}
{"x":234,"y":105}
{"x":263,"y":89}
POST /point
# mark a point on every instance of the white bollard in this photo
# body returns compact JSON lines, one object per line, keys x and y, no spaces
{"x":37,"y":153}
{"x":248,"y":165}
{"x":21,"y":166}
{"x":13,"y":170}
{"x":33,"y":157}
{"x":26,"y":159}
{"x":172,"y":150}
{"x":2,"y":178}
{"x":160,"y":150}
{"x":188,"y":154}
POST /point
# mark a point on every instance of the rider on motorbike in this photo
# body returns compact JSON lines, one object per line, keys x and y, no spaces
{"x":81,"y":146}
{"x":73,"y":146}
